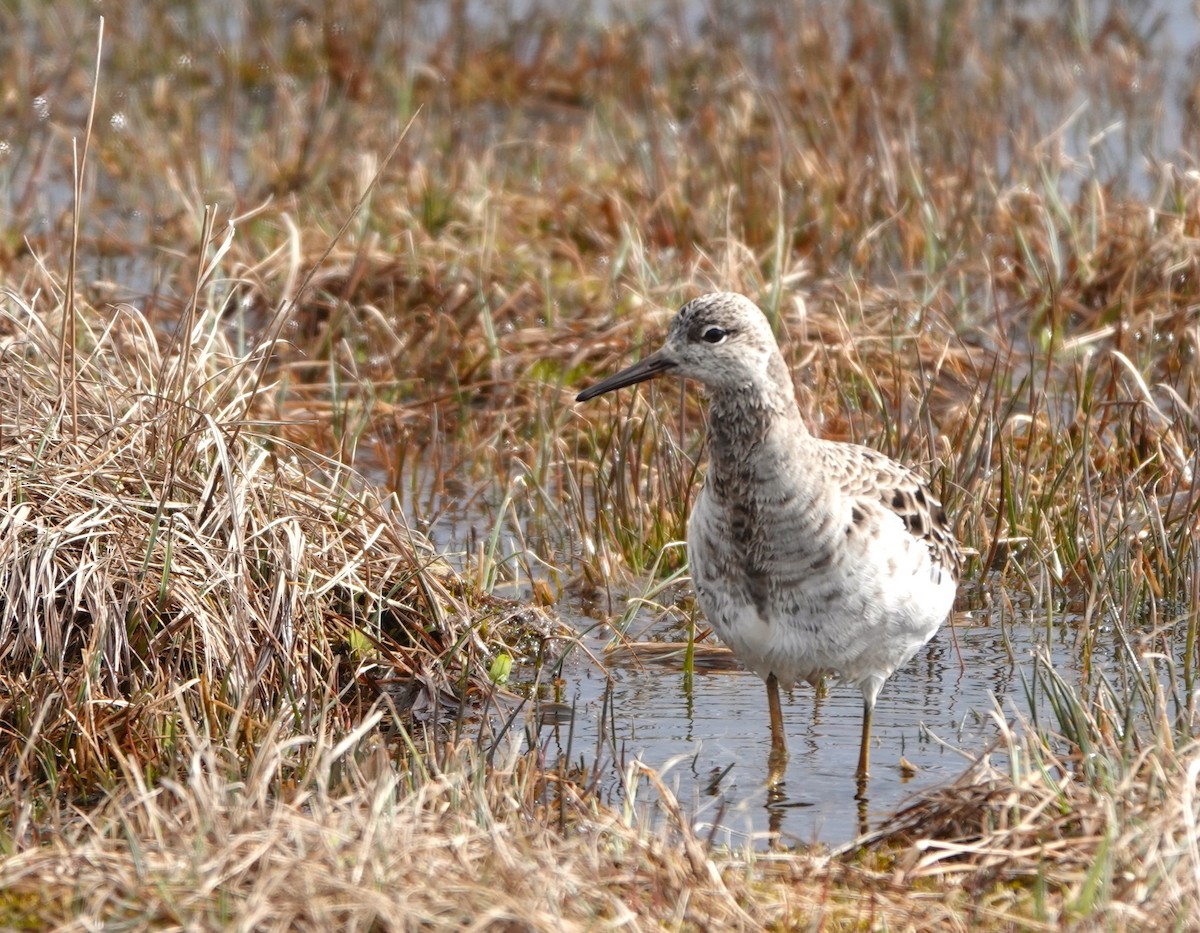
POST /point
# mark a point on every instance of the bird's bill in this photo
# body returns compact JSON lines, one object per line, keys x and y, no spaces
{"x":640,"y":371}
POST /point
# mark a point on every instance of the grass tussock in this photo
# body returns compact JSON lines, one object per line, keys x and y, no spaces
{"x":164,"y":552}
{"x":218,"y":646}
{"x":366,"y":844}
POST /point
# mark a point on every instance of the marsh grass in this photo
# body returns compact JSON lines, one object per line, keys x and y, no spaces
{"x":164,"y":549}
{"x":239,"y":687}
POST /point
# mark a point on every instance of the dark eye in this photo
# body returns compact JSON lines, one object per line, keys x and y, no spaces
{"x":714,"y":334}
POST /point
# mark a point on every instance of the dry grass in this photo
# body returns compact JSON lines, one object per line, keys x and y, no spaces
{"x":235,"y":685}
{"x":165,"y":556}
{"x":386,"y":851}
{"x":368,"y":845}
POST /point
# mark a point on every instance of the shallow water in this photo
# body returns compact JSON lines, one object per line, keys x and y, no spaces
{"x":711,"y":739}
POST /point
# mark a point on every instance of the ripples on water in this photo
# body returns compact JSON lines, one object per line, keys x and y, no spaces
{"x":712,"y":737}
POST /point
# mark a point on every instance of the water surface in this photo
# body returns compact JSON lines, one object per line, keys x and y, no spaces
{"x":710,"y":737}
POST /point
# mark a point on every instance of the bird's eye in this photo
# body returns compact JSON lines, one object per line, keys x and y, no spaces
{"x":714,"y":334}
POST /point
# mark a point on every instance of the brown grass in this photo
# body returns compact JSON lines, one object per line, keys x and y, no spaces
{"x":163,"y":553}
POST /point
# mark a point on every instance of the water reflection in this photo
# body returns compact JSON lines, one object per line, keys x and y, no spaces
{"x":709,"y":735}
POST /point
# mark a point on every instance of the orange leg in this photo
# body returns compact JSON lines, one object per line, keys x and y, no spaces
{"x":864,"y":748}
{"x":779,"y":755}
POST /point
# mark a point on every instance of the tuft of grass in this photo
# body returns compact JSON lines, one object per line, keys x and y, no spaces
{"x":163,"y":550}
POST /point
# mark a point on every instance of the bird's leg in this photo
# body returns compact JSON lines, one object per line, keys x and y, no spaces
{"x":864,"y":748}
{"x":778,"y":758}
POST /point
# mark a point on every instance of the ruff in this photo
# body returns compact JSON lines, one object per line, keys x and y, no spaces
{"x":810,"y":558}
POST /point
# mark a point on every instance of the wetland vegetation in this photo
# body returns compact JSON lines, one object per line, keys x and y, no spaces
{"x":285,"y":285}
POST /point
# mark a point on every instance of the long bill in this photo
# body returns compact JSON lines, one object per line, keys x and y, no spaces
{"x":640,"y":371}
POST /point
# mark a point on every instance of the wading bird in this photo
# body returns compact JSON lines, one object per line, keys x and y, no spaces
{"x":809,"y":557}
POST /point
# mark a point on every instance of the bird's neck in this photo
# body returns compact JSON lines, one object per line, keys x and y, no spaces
{"x":754,"y":421}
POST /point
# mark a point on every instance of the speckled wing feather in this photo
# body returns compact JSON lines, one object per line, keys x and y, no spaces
{"x":871,"y":475}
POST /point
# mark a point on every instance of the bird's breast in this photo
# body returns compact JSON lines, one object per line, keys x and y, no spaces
{"x":798,"y":583}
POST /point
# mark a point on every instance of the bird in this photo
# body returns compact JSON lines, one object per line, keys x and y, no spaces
{"x":810,"y":558}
